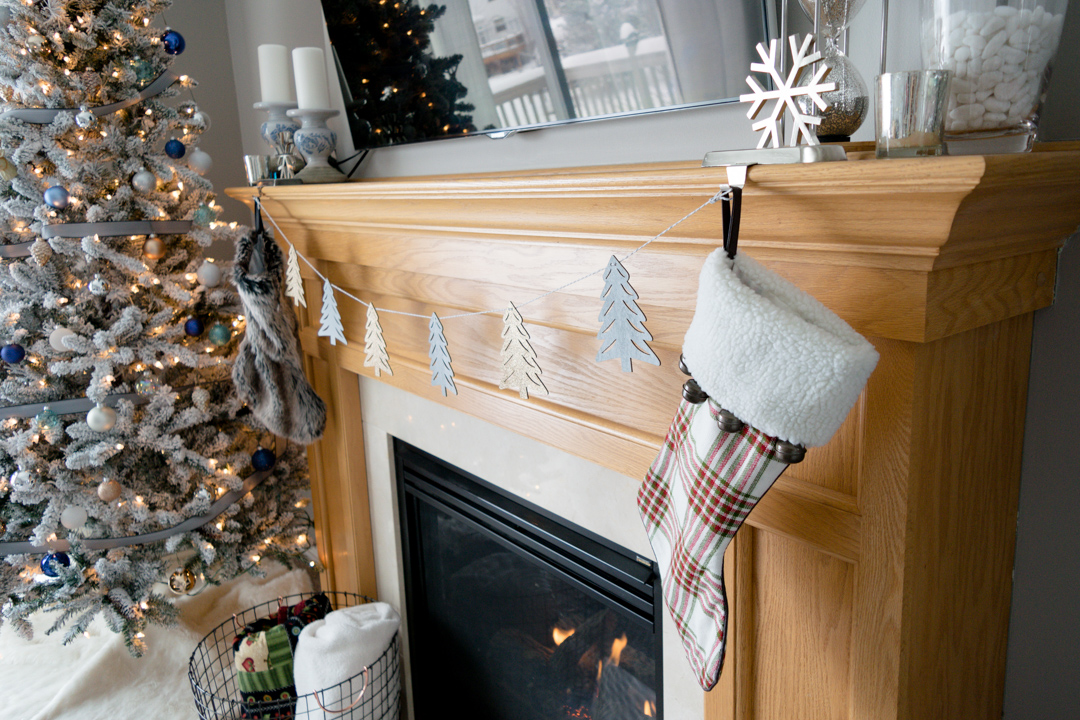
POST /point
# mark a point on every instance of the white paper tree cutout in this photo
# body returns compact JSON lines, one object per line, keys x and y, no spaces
{"x":622,"y":330}
{"x":294,"y":284}
{"x":375,"y":345}
{"x":520,"y":371}
{"x":442,"y":375}
{"x":330,"y":322}
{"x":787,"y":89}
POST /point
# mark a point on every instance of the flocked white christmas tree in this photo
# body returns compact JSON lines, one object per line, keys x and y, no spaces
{"x":520,"y":369}
{"x":126,"y":335}
{"x":375,"y":355}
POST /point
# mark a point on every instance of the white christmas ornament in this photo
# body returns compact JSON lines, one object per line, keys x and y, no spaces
{"x":622,"y":323}
{"x":442,"y":374}
{"x":200,"y":161}
{"x":209,"y":274}
{"x":144,"y":181}
{"x":73,"y":517}
{"x":56,"y":339}
{"x":787,"y":89}
{"x":85,"y":118}
{"x":201,"y":119}
{"x":101,"y":418}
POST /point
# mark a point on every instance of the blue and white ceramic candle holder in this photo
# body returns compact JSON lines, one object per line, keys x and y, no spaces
{"x":315,"y":141}
{"x":278,"y":129}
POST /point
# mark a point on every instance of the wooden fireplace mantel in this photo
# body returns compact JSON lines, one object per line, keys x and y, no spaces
{"x":874,"y":580}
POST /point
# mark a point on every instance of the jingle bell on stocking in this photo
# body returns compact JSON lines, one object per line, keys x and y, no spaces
{"x":773,"y":372}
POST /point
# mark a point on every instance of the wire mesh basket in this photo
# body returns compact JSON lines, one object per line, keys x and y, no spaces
{"x":374,"y":693}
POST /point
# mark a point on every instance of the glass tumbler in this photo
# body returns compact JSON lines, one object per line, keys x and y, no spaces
{"x":1000,"y":54}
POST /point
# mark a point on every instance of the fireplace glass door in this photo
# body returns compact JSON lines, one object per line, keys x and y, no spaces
{"x":514,"y":613}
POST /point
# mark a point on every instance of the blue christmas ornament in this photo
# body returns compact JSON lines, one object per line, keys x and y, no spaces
{"x":263,"y":459}
{"x":57,"y":196}
{"x":12,"y":353}
{"x":147,"y":385}
{"x":51,"y":563}
{"x":204,"y":215}
{"x":173,"y":42}
{"x":220,"y":334}
{"x":194,"y":326}
{"x":46,"y":419}
{"x":175,"y":149}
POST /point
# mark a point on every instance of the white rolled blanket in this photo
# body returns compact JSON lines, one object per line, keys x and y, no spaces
{"x":334,"y":649}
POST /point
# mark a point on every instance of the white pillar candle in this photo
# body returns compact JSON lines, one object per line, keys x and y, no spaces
{"x":275,"y":75}
{"x":309,"y":67}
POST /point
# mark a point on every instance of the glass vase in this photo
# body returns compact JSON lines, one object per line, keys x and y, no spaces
{"x":1000,"y":54}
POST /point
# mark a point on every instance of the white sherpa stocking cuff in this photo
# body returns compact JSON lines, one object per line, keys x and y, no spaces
{"x":773,"y":355}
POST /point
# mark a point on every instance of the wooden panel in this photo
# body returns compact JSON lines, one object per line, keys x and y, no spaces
{"x":872,"y":581}
{"x":884,"y":461}
{"x":802,"y":663}
{"x":961,"y":528}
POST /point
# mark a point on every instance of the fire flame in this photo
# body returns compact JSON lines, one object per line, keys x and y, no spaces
{"x":560,"y":635}
{"x":617,"y":646}
{"x":650,"y":709}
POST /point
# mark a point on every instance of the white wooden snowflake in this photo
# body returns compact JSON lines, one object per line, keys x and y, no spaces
{"x":786,"y":91}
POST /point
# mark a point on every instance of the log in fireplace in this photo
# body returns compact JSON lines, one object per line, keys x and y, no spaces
{"x":515,"y":613}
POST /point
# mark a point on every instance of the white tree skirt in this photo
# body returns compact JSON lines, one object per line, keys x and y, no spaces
{"x":96,"y":678}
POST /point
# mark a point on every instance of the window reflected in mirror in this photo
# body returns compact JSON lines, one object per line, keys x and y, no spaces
{"x":414,"y":72}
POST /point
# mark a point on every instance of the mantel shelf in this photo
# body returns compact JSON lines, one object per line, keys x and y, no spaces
{"x":909,"y":249}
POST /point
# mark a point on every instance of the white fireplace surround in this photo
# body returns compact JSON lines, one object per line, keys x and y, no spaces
{"x":591,"y":496}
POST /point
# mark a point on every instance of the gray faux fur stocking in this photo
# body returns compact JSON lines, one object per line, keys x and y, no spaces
{"x":268,"y":374}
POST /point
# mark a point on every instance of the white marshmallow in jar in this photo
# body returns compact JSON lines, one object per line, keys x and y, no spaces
{"x":999,"y":53}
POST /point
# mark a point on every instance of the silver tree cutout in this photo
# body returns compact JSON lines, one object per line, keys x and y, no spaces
{"x":330,"y":322}
{"x":622,"y":330}
{"x":520,"y":371}
{"x":442,"y":375}
{"x":375,"y":355}
{"x":294,"y":284}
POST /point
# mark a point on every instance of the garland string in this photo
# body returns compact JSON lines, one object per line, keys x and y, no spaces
{"x":725,"y":191}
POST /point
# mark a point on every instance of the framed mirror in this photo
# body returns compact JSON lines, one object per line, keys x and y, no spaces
{"x":411,"y":72}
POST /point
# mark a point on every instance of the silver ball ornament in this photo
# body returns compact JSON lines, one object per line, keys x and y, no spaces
{"x":144,"y":181}
{"x":98,"y":286}
{"x":56,"y":339}
{"x":85,"y":118}
{"x":73,"y":517}
{"x":182,"y":581}
{"x":209,"y":274}
{"x":101,"y":418}
{"x":109,"y":490}
{"x":201,"y":119}
{"x":200,"y":161}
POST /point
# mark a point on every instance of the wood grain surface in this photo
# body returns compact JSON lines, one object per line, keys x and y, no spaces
{"x":873,"y":580}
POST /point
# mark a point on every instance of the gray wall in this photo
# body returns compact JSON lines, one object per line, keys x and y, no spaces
{"x":1043,"y":670}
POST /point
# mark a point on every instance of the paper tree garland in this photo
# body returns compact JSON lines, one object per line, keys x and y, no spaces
{"x":520,"y":371}
{"x":442,"y":375}
{"x":787,"y":89}
{"x":294,"y":284}
{"x":622,"y":332}
{"x":375,"y":355}
{"x":330,"y":320}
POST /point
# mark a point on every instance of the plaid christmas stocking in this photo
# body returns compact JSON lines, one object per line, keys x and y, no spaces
{"x":774,"y":371}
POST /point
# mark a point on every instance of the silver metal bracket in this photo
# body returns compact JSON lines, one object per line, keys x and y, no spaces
{"x":775,"y":156}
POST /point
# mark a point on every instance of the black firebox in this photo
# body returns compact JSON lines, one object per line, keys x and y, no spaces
{"x":517,"y":614}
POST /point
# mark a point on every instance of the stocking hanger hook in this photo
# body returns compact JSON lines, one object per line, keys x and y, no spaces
{"x":731,"y":207}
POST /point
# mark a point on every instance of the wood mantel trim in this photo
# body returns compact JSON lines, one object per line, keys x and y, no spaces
{"x":858,"y":235}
